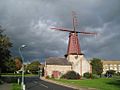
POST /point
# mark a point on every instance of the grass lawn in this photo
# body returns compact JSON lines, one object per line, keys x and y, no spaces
{"x":99,"y":84}
{"x":26,"y":75}
{"x":16,"y":86}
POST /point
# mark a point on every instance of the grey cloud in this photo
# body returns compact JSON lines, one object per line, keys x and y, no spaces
{"x":29,"y":22}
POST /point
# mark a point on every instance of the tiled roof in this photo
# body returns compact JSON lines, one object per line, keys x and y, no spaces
{"x":57,"y":61}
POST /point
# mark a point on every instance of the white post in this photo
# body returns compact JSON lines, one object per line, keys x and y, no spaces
{"x":22,"y":83}
{"x":18,"y":81}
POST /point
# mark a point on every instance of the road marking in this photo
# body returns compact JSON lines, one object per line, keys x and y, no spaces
{"x":44,"y":85}
{"x":41,"y":84}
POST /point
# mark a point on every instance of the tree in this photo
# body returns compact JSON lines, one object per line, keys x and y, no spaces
{"x":10,"y":66}
{"x":97,"y":66}
{"x":5,"y":45}
{"x":33,"y":67}
{"x":18,"y":63}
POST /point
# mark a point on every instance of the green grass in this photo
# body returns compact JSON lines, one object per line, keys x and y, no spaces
{"x":26,"y":75}
{"x":16,"y":86}
{"x":99,"y":84}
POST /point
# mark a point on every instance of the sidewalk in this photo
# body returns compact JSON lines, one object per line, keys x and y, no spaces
{"x":5,"y":86}
{"x":66,"y":85}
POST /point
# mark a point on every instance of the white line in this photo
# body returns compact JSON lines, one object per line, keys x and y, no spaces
{"x":44,"y":85}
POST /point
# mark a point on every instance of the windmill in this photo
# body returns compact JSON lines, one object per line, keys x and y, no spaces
{"x":73,"y":45}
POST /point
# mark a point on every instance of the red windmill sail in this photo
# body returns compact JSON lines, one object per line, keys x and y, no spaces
{"x":73,"y":45}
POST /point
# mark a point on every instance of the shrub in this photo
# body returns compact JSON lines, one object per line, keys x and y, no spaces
{"x":95,"y":76}
{"x":112,"y":72}
{"x":115,"y":77}
{"x":0,"y":81}
{"x":63,"y":76}
{"x":9,"y":79}
{"x":87,"y":75}
{"x":47,"y":77}
{"x":117,"y":74}
{"x":71,"y":75}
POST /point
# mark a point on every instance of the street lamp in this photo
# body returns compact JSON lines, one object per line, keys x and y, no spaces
{"x":22,"y":83}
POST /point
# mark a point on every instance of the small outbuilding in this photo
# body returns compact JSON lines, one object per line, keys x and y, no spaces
{"x":56,"y":67}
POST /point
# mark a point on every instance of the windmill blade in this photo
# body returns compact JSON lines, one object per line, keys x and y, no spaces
{"x":87,"y":32}
{"x":60,"y":29}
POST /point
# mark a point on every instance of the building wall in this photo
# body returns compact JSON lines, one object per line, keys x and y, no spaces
{"x":79,"y":64}
{"x":49,"y":69}
{"x":86,"y":67}
{"x":111,"y":65}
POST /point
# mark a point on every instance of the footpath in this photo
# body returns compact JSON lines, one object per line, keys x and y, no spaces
{"x":66,"y":85}
{"x":5,"y":86}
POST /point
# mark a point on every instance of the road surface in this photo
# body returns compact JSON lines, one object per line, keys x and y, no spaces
{"x":34,"y":83}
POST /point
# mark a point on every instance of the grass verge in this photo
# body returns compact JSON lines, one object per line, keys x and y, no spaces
{"x":99,"y":84}
{"x":15,"y":86}
{"x":26,"y":75}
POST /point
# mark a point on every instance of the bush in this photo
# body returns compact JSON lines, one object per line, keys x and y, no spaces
{"x":95,"y":76}
{"x":47,"y":77}
{"x":87,"y":75}
{"x":11,"y":73}
{"x":0,"y":81}
{"x":115,"y":77}
{"x":117,"y":74}
{"x":71,"y":75}
{"x":9,"y":79}
{"x":112,"y":72}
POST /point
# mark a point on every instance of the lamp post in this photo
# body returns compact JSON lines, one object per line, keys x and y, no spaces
{"x":22,"y":83}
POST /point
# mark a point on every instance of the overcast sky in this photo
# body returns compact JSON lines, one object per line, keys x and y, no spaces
{"x":29,"y":22}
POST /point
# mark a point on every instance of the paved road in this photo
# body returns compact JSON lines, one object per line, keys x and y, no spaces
{"x":34,"y":83}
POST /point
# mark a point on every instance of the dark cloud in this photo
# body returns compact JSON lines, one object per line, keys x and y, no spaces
{"x":29,"y":22}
